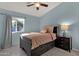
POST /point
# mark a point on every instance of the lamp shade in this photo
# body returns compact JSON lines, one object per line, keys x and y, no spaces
{"x":64,"y":27}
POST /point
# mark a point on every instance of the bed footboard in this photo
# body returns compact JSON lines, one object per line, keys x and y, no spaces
{"x":25,"y":44}
{"x":42,"y":49}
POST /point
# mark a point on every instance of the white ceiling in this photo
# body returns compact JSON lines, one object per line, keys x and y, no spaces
{"x":22,"y":8}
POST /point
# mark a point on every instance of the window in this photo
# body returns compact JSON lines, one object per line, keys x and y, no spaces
{"x":17,"y":24}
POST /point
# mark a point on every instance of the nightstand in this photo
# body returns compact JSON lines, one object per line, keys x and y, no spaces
{"x":64,"y":43}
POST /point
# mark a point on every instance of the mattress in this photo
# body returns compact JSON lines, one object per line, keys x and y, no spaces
{"x":39,"y":38}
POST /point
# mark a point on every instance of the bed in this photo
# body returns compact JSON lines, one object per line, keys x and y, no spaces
{"x":35,"y":44}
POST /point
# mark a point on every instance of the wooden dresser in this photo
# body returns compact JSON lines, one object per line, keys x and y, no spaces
{"x":64,"y":43}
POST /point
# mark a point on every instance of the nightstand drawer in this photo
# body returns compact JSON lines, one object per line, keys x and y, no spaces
{"x":61,"y":42}
{"x":64,"y":43}
{"x":61,"y":45}
{"x":61,"y":39}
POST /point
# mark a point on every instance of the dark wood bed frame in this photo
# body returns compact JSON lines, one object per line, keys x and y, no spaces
{"x":26,"y":46}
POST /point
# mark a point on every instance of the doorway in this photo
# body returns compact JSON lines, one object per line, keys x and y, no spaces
{"x":17,"y":30}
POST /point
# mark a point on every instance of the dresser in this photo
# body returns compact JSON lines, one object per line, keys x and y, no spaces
{"x":64,"y":43}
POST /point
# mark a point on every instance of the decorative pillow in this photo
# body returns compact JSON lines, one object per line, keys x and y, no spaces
{"x":50,"y":29}
{"x":44,"y":30}
{"x":47,"y":29}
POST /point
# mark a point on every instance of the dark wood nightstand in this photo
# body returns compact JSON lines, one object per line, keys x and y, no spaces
{"x":64,"y":43}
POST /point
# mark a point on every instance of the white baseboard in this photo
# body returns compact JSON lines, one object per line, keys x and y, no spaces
{"x":75,"y":49}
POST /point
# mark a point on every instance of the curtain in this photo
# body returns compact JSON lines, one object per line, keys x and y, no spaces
{"x":8,"y":34}
{"x":2,"y":29}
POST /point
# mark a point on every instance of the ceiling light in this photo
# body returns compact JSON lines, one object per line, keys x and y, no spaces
{"x":37,"y":5}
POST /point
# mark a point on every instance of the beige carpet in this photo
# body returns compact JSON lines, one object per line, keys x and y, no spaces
{"x":59,"y":52}
{"x":13,"y":51}
{"x":16,"y":51}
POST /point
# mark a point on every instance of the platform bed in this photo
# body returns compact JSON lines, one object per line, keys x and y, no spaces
{"x":26,"y":46}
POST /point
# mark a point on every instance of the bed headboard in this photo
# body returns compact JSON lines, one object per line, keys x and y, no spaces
{"x":50,"y":28}
{"x":55,"y":29}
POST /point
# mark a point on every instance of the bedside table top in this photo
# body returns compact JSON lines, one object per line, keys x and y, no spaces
{"x":63,"y":37}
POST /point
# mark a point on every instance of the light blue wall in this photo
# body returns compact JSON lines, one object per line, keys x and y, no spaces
{"x":75,"y":29}
{"x":32,"y":24}
{"x":65,"y":13}
{"x":75,"y":36}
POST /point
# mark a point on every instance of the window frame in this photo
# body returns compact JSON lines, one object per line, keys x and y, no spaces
{"x":22,"y":28}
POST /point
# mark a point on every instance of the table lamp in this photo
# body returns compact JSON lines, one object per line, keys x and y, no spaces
{"x":64,"y":28}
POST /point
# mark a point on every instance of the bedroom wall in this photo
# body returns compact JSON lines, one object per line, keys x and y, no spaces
{"x":31,"y":24}
{"x":75,"y":36}
{"x":75,"y":30}
{"x":67,"y":13}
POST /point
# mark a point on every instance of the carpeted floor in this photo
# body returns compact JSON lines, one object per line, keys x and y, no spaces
{"x":16,"y":51}
{"x":59,"y":52}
